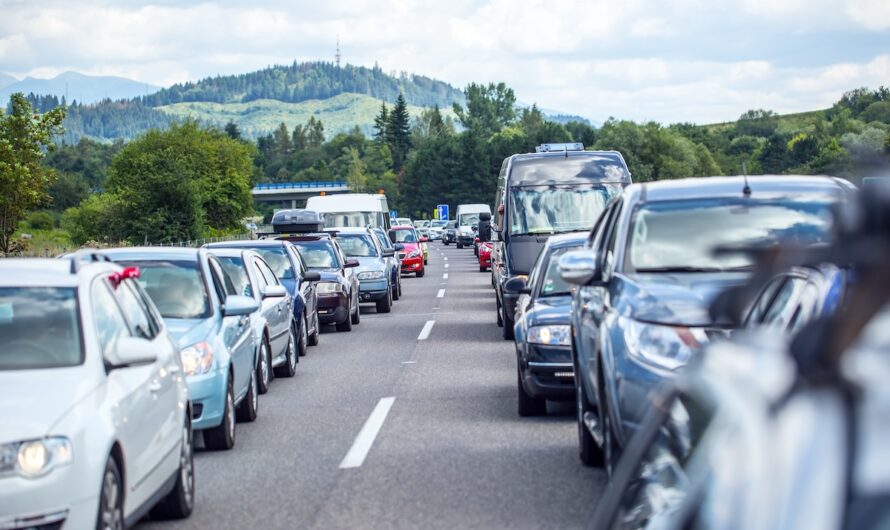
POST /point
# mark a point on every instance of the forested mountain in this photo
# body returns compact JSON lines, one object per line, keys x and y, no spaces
{"x":79,"y":87}
{"x":299,"y":82}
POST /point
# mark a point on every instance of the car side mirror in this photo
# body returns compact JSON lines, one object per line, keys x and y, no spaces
{"x":311,"y":276}
{"x":424,"y":239}
{"x":350,"y":263}
{"x":392,"y":235}
{"x":274,"y":291}
{"x":398,"y":246}
{"x":579,"y":267}
{"x":236,"y":305}
{"x":130,"y":351}
{"x":517,"y":284}
{"x":388,"y":253}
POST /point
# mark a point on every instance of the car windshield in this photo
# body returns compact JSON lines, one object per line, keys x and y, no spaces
{"x":681,"y":235}
{"x":234,"y":267}
{"x":438,"y":224}
{"x":357,"y":246}
{"x":405,"y":235}
{"x":352,"y":219}
{"x":176,"y":287}
{"x":278,"y":262}
{"x":553,"y":209}
{"x":552,"y":283}
{"x":468,"y":219}
{"x":39,"y":328}
{"x":450,"y":224}
{"x":318,"y":254}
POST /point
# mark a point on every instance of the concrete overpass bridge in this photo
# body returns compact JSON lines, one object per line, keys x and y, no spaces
{"x":294,"y":192}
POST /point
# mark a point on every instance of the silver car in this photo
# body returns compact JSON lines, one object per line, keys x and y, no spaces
{"x":253,"y":277}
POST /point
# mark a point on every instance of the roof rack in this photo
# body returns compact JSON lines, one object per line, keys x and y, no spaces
{"x":549,"y":148}
{"x":88,"y":255}
{"x":297,"y":220}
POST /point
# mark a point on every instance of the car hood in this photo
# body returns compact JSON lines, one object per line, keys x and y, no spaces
{"x":672,"y":298}
{"x":34,"y":401}
{"x":550,"y":310}
{"x":187,"y":331}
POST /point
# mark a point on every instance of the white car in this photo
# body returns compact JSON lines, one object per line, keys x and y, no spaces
{"x":96,"y":421}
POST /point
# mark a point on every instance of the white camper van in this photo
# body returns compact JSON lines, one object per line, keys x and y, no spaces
{"x":468,"y":217}
{"x":351,"y":210}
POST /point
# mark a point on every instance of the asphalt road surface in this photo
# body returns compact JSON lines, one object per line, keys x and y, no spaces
{"x":408,"y":421}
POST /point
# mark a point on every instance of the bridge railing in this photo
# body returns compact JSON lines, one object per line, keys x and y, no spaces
{"x":299,"y":185}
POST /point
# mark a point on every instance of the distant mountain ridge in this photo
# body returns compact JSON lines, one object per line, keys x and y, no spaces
{"x":6,"y":80}
{"x":79,"y":87}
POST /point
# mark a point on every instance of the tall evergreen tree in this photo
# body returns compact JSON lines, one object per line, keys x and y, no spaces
{"x":380,"y":123}
{"x":399,"y":132}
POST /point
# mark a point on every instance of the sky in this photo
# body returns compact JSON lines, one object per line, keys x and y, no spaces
{"x":700,"y":61}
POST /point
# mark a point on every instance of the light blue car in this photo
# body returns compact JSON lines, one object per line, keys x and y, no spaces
{"x":375,"y":282}
{"x":211,"y":325}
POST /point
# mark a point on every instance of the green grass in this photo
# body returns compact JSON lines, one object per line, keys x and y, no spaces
{"x":339,"y":113}
{"x":49,"y":242}
{"x":788,"y":123}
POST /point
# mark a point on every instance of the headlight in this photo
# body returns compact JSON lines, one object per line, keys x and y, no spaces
{"x":371,"y":275}
{"x":558,"y":335}
{"x":328,"y":288}
{"x":34,"y":458}
{"x":197,"y":359}
{"x":414,"y":254}
{"x":668,"y":347}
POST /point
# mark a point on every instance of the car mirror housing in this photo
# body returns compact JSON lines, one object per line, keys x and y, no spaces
{"x":311,"y":276}
{"x":424,"y":239}
{"x":578,"y":267}
{"x":274,"y":291}
{"x":350,"y":263}
{"x":517,"y":284}
{"x":388,"y":253}
{"x":130,"y":351}
{"x":237,"y":305}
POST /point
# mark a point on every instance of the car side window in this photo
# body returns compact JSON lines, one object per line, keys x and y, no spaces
{"x":270,"y":277}
{"x":784,"y":304}
{"x":806,"y":307}
{"x":610,"y":243}
{"x":154,"y":316}
{"x":260,"y":278}
{"x":221,"y":283}
{"x":295,"y":256}
{"x":109,"y":321}
{"x":764,"y":301}
{"x":135,"y":311}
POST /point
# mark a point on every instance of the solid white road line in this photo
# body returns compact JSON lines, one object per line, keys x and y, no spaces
{"x":427,"y":328}
{"x":445,"y":276}
{"x":441,"y":293}
{"x":365,"y":439}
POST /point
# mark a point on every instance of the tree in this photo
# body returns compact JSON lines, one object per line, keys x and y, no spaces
{"x":399,"y":132}
{"x":23,"y":180}
{"x":355,"y":174}
{"x":489,"y":108}
{"x":232,"y":130}
{"x":314,"y":132}
{"x":381,"y":121}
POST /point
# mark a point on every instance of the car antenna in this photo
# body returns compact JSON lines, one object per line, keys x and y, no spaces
{"x":746,"y":191}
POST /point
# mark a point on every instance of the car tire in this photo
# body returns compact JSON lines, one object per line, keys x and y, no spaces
{"x":528,"y":406}
{"x":460,"y":246}
{"x":610,"y":451}
{"x":222,"y":437}
{"x":178,"y":504}
{"x":397,"y":290}
{"x":289,"y":368}
{"x":346,"y":325}
{"x":421,"y":272}
{"x":247,"y":409}
{"x":426,"y":262}
{"x":111,"y":498}
{"x":357,"y":316}
{"x":507,"y":322}
{"x":497,"y":302}
{"x":482,"y":268}
{"x":264,"y":367}
{"x":303,"y":345}
{"x":313,"y":337}
{"x":588,"y":451}
{"x":385,"y":305}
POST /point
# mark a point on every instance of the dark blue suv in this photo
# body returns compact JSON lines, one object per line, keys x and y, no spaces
{"x":646,"y":276}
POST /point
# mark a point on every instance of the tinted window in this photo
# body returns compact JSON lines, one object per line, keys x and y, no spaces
{"x":39,"y":328}
{"x":318,"y":254}
{"x":176,"y":288}
{"x":110,"y":323}
{"x":134,"y":310}
{"x":357,"y":246}
{"x":550,"y":209}
{"x":683,"y":234}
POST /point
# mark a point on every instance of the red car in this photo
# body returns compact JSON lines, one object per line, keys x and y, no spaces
{"x":412,"y":253}
{"x":485,"y":256}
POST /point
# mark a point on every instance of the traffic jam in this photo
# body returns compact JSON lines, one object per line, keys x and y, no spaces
{"x":720,"y":342}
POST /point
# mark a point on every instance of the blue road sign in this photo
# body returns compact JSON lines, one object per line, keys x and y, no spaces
{"x":443,"y":211}
{"x":393,"y":214}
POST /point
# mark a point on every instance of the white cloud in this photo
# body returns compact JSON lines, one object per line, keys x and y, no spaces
{"x":873,"y":14}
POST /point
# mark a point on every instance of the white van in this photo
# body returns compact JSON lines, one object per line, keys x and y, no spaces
{"x":468,"y":217}
{"x":351,"y":210}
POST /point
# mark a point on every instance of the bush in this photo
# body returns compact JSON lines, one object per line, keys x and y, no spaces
{"x":40,"y":221}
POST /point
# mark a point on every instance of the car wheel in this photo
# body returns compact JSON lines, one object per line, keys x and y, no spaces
{"x":111,"y":505}
{"x":527,"y":405}
{"x":289,"y":368}
{"x":497,"y":302}
{"x":400,"y":285}
{"x":313,"y":337}
{"x":426,"y":262}
{"x":385,"y":305}
{"x":589,"y":453}
{"x":611,"y":451}
{"x":460,"y":246}
{"x":222,"y":436}
{"x":264,"y":365}
{"x":482,"y":268}
{"x":397,"y":290}
{"x":247,"y":409}
{"x":507,"y":330}
{"x":357,"y":316}
{"x":421,"y":272}
{"x":346,"y":325}
{"x":178,"y":504}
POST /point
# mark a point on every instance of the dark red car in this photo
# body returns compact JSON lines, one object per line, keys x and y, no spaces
{"x":485,"y":256}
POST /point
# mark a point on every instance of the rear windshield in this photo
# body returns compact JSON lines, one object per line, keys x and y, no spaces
{"x":318,"y":254}
{"x":405,"y":235}
{"x":176,"y":287}
{"x":39,"y":328}
{"x":357,"y":246}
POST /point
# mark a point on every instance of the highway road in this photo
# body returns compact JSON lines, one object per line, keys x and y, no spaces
{"x":408,"y":421}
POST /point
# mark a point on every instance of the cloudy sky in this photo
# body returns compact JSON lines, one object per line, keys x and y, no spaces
{"x":682,"y":60}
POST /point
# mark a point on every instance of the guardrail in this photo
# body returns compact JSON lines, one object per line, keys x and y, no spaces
{"x":299,"y":185}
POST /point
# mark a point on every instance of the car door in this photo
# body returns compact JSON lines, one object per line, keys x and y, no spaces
{"x":130,"y":390}
{"x":306,"y":289}
{"x":279,"y":316}
{"x":236,"y":331}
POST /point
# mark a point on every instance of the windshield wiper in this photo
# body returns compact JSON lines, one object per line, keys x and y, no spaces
{"x":678,"y":268}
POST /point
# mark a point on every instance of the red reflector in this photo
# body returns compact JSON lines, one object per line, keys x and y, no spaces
{"x":128,"y":273}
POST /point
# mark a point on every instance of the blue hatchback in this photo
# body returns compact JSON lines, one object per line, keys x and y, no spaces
{"x":210,"y":323}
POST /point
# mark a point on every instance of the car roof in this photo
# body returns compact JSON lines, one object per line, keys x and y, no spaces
{"x":349,"y":231}
{"x":249,"y":243}
{"x":48,"y":272}
{"x":154,"y":253}
{"x":405,"y":227}
{"x":760,"y":185}
{"x":572,"y":239}
{"x":229,"y":252}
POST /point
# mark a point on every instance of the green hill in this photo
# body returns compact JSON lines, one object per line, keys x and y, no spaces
{"x":339,"y":113}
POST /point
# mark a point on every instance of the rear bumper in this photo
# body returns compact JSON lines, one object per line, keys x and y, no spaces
{"x":412,"y":264}
{"x":466,"y":240}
